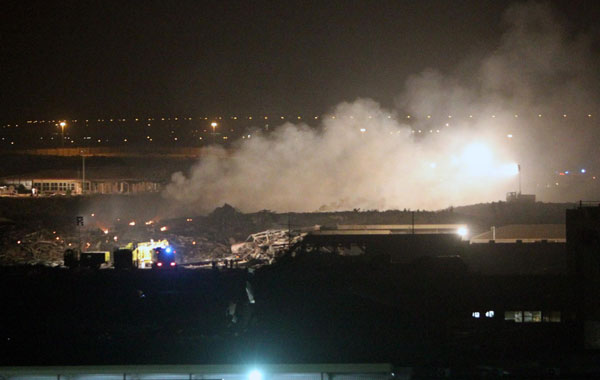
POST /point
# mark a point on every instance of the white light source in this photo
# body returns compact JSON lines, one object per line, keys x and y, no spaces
{"x":477,"y":159}
{"x":255,"y":375}
{"x":582,"y":170}
{"x":462,"y":231}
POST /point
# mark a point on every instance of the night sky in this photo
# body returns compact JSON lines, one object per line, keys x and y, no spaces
{"x":69,"y":59}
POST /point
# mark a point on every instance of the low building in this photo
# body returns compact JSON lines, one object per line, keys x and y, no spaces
{"x":523,"y":233}
{"x":61,"y":182}
{"x":232,"y":372}
{"x":401,"y":242}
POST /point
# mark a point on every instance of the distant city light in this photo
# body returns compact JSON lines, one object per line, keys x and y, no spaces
{"x":163,"y":228}
{"x":583,"y":170}
{"x":132,"y":223}
{"x":363,"y":130}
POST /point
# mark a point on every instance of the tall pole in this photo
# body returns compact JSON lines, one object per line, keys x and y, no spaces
{"x":519,"y":179}
{"x":214,"y":128}
{"x":82,"y":174}
{"x":62,"y":125}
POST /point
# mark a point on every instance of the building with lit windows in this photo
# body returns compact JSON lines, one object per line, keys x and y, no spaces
{"x":71,"y":184}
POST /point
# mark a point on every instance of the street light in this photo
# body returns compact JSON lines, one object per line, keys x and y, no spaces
{"x":214,"y":126}
{"x":62,"y":133}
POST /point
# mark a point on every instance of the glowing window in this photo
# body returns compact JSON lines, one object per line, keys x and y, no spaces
{"x":551,"y":316}
{"x":515,"y":316}
{"x":532,"y":316}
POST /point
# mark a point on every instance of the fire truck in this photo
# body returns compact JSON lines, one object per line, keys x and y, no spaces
{"x":164,"y":258}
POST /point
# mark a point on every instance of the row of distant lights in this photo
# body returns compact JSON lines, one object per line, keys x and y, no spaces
{"x":493,"y":116}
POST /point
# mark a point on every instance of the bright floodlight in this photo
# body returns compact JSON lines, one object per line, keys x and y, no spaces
{"x":583,"y":170}
{"x":213,"y":124}
{"x":62,"y":124}
{"x":255,"y":375}
{"x":477,"y":159}
{"x":462,"y":231}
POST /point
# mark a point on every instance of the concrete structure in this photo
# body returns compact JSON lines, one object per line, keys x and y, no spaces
{"x":512,"y":258}
{"x":401,"y":242}
{"x":515,"y":197}
{"x":228,"y":372}
{"x":583,"y":241}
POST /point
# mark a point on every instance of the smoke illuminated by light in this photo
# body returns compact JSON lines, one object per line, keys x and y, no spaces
{"x":336,"y":166}
{"x":401,"y":163}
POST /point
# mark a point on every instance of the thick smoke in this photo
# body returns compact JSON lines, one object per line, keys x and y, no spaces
{"x":454,"y":149}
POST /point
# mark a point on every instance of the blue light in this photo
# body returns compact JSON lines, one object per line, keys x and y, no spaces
{"x":566,"y":172}
{"x":583,"y":170}
{"x":168,"y":250}
{"x":255,"y":375}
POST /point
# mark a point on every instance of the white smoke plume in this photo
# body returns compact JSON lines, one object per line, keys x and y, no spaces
{"x":465,"y":134}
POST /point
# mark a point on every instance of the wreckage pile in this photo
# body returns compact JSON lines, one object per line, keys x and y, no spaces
{"x":34,"y":248}
{"x":29,"y":235}
{"x":265,"y":246}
